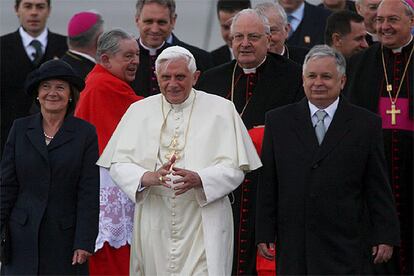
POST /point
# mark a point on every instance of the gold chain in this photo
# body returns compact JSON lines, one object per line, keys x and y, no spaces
{"x":165,"y":120}
{"x":389,"y":86}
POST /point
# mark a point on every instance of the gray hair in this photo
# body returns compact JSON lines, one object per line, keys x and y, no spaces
{"x":89,"y":37}
{"x":174,"y":53}
{"x":276,"y":7}
{"x":256,"y":13}
{"x":321,"y":51}
{"x":108,"y":42}
{"x":170,"y":4}
{"x":408,"y":9}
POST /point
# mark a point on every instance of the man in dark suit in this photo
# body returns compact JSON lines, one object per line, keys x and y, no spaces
{"x":307,"y":23}
{"x":345,"y":32}
{"x":279,"y":30}
{"x":21,"y":52}
{"x":226,"y":10}
{"x":368,"y":10}
{"x":84,"y":29}
{"x":257,"y":81}
{"x":324,"y":172}
{"x":155,"y":20}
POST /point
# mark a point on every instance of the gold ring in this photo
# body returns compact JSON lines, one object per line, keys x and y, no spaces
{"x":160,"y":178}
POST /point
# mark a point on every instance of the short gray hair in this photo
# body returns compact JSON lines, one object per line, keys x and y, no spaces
{"x":108,"y":42}
{"x":321,"y":51}
{"x":175,"y":53}
{"x":170,"y":4}
{"x":89,"y":37}
{"x":270,"y":6}
{"x":256,"y":13}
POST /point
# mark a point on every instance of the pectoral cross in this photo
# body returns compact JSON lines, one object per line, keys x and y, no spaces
{"x":393,"y":112}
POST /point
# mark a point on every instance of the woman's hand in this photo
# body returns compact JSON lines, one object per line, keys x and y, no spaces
{"x":80,"y":256}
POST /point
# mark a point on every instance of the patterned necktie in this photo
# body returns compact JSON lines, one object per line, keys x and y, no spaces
{"x":37,"y":56}
{"x":320,"y":126}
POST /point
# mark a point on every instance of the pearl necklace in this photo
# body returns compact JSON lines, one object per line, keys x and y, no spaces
{"x":47,"y":136}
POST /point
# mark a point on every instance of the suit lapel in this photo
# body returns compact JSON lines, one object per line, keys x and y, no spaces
{"x":35,"y":134}
{"x":337,"y":130}
{"x":65,"y":134}
{"x":21,"y":52}
{"x":303,"y":126}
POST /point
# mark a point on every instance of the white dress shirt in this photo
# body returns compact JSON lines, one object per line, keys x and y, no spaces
{"x":330,"y":111}
{"x":27,"y":39}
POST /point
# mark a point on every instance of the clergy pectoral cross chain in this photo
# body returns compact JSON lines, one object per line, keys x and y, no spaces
{"x":393,"y":112}
{"x":173,"y":149}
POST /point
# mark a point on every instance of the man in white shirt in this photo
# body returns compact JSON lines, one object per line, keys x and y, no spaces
{"x":178,"y":155}
{"x":324,"y":181}
{"x":21,"y":52}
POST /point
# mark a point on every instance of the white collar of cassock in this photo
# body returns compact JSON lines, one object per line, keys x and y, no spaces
{"x":83,"y":55}
{"x":399,"y":50}
{"x":152,"y":51}
{"x":168,"y":106}
{"x":253,"y":70}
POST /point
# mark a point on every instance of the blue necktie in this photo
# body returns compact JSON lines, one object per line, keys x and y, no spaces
{"x":37,"y":56}
{"x":320,"y":126}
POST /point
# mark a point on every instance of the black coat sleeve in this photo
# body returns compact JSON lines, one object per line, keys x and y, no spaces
{"x":266,"y":207}
{"x":88,"y":196}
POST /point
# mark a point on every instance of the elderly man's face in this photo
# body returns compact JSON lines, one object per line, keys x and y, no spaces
{"x":33,"y":15}
{"x":393,"y":24}
{"x":290,"y":5}
{"x":175,"y":80}
{"x":225,"y":19}
{"x":322,"y":81}
{"x":368,"y":10}
{"x":278,"y":32}
{"x":250,"y":42}
{"x":353,"y":42}
{"x":154,"y":24}
{"x":124,"y":63}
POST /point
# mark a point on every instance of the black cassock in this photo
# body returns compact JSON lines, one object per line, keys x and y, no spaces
{"x":145,"y":83}
{"x":80,"y":64}
{"x":367,"y":88}
{"x":277,"y":82}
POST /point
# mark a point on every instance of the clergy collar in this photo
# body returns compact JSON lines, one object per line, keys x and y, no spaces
{"x":283,"y":50}
{"x":253,"y":70}
{"x":399,"y":50}
{"x":26,"y":38}
{"x":373,"y":36}
{"x":152,"y":51}
{"x":83,"y":55}
{"x":168,"y":106}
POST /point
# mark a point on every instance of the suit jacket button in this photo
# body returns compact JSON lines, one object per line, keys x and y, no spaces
{"x":315,"y":166}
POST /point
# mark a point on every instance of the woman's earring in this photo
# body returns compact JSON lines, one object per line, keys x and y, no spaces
{"x":37,"y":98}
{"x":70,"y":99}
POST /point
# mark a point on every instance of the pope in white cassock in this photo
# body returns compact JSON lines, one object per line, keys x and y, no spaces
{"x":178,"y":155}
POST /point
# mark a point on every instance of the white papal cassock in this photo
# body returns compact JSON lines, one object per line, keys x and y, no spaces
{"x":191,"y":233}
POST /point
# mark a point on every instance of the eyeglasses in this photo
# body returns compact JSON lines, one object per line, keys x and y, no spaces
{"x":252,"y":37}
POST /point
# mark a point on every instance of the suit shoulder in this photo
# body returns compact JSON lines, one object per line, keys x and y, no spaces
{"x":283,"y":111}
{"x":362,"y":113}
{"x":278,"y":60}
{"x":83,"y":125}
{"x":57,"y":36}
{"x":316,"y":11}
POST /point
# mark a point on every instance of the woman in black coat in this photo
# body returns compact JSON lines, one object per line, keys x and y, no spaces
{"x":49,"y":180}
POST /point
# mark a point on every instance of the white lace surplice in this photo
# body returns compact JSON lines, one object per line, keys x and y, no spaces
{"x":116,"y":213}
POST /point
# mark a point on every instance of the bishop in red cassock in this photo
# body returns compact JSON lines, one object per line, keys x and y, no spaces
{"x":103,"y":102}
